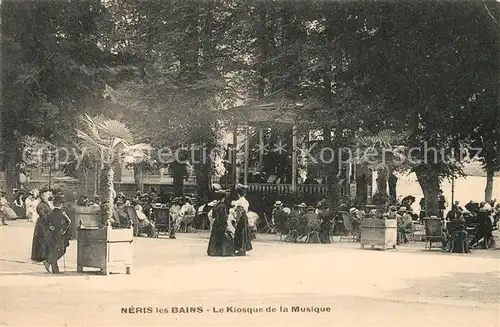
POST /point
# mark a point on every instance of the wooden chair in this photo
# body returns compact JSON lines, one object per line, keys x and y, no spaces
{"x":348,"y":227}
{"x":133,"y":217}
{"x":433,"y":232}
{"x":162,"y":219}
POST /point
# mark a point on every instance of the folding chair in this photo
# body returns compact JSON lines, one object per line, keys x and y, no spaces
{"x":292,"y":225}
{"x":270,"y":227}
{"x":314,"y":232}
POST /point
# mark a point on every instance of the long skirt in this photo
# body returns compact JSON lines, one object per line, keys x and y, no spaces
{"x":20,"y":211}
{"x":242,"y":237}
{"x":220,"y":243}
{"x":11,"y":214}
{"x":39,"y":250}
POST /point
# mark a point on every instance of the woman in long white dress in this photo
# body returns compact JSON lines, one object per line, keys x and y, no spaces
{"x":5,"y":207}
{"x":31,"y":203}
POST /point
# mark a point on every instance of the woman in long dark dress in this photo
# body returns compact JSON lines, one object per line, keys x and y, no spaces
{"x":242,"y":237}
{"x":327,"y":218}
{"x":221,"y":241}
{"x":39,"y":251}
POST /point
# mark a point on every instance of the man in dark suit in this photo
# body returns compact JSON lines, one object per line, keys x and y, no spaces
{"x":57,"y":226}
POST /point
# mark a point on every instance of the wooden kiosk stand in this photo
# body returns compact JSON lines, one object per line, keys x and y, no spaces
{"x":106,"y":248}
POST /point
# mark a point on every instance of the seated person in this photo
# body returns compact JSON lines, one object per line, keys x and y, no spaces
{"x":311,"y":219}
{"x":144,"y":224}
{"x":327,"y":218}
{"x":279,"y":217}
{"x":458,"y":240}
{"x":405,"y":225}
{"x":186,"y":213}
{"x":120,"y":216}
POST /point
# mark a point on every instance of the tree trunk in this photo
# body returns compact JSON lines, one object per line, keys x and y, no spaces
{"x":382,"y":178}
{"x":264,"y":50}
{"x":393,"y":181}
{"x":362,"y":185}
{"x":488,"y":191}
{"x":429,"y":182}
{"x":139,"y":177}
{"x":202,"y":180}
{"x":107,"y":193}
{"x":97,"y":187}
{"x":12,"y":177}
{"x":178,"y":183}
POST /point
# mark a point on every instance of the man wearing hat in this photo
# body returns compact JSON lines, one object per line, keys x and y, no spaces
{"x":57,"y":238}
{"x":404,"y":225}
{"x":279,"y":217}
{"x":38,"y":248}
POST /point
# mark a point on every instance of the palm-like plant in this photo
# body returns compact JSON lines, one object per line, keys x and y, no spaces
{"x":110,"y":140}
{"x":383,"y":153}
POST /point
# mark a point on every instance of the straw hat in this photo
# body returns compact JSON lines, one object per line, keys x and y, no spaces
{"x":302,"y":205}
{"x":353,"y":210}
{"x":402,"y":209}
{"x":486,"y":207}
{"x":278,"y":204}
{"x":240,"y":187}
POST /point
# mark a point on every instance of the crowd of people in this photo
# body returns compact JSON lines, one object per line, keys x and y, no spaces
{"x":230,"y":231}
{"x":231,"y":222}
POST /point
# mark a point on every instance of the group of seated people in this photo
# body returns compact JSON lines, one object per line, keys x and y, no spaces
{"x":470,"y":226}
{"x":303,"y":221}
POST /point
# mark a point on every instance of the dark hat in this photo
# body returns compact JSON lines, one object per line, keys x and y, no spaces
{"x":59,"y":198}
{"x":44,"y":189}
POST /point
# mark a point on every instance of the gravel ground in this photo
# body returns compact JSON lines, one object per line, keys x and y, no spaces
{"x":406,"y":287}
